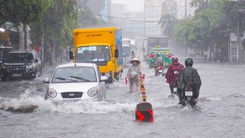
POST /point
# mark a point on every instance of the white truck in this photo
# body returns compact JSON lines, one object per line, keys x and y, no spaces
{"x":126,"y":46}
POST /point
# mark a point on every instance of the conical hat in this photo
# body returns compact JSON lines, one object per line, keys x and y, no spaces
{"x":135,"y":59}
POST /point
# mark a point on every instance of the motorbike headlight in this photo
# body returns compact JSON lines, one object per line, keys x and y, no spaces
{"x":52,"y":93}
{"x":93,"y":91}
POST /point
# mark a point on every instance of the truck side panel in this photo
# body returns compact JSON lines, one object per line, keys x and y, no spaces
{"x":119,"y":47}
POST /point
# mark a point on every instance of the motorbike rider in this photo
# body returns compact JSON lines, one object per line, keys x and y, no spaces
{"x":133,"y":74}
{"x":189,"y":77}
{"x":158,"y":62}
{"x":173,"y":72}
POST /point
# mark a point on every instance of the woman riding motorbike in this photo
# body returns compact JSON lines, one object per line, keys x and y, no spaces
{"x":172,"y":73}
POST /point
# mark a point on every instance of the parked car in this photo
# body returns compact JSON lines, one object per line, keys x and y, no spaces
{"x":4,"y":52}
{"x":76,"y":81}
{"x":22,"y":64}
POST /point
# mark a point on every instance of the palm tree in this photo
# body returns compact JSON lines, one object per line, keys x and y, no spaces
{"x":167,"y":22}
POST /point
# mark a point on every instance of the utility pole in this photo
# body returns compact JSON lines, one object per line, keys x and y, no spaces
{"x":238,"y":41}
{"x":185,"y":8}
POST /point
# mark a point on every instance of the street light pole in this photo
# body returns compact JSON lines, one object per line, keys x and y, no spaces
{"x":238,"y":41}
{"x":185,"y":8}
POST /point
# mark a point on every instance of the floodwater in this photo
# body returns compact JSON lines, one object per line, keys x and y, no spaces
{"x":219,"y":112}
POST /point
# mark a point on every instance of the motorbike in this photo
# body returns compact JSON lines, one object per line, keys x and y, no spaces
{"x":187,"y":96}
{"x":174,"y":89}
{"x":158,"y":70}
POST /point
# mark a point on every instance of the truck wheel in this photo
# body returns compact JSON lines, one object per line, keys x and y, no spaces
{"x":118,"y":76}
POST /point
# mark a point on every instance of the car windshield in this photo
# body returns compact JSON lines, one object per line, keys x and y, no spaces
{"x":74,"y":74}
{"x":93,"y":54}
{"x":20,"y":58}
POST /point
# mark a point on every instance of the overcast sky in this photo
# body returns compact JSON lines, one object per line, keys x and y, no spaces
{"x":132,"y":5}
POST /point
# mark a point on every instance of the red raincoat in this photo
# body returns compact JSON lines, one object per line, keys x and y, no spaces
{"x":173,"y":72}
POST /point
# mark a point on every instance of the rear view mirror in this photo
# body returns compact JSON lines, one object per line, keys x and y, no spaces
{"x":71,"y":55}
{"x":46,"y":80}
{"x":116,"y":53}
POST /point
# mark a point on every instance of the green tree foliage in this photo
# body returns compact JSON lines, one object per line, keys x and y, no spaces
{"x":22,"y":11}
{"x":167,"y":22}
{"x":57,"y":23}
{"x":86,"y":18}
{"x":209,"y":25}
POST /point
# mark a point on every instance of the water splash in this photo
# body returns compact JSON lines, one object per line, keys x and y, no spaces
{"x":28,"y":103}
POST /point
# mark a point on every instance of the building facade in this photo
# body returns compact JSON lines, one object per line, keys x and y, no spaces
{"x":152,"y":15}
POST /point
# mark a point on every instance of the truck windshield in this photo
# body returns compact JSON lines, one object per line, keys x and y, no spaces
{"x":93,"y":54}
{"x":158,"y":41}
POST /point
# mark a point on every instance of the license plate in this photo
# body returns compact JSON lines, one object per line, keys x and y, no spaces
{"x":175,"y":89}
{"x":17,"y":75}
{"x":160,"y":70}
{"x":188,"y":93}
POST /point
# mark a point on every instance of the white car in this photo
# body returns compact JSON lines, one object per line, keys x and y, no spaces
{"x":76,"y":81}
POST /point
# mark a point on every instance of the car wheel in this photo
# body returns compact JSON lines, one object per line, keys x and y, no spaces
{"x":33,"y":75}
{"x":3,"y":78}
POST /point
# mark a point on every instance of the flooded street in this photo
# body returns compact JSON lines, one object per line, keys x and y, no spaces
{"x":101,"y":37}
{"x":219,"y":112}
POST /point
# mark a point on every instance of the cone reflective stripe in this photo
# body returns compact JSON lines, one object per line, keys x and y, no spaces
{"x":143,"y":97}
{"x":142,"y":88}
{"x":143,"y":112}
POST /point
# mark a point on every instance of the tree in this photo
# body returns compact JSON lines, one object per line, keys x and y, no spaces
{"x":24,"y":11}
{"x":205,"y":28}
{"x":167,"y":22}
{"x":56,"y":26}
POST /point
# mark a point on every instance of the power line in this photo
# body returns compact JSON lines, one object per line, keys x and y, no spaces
{"x":132,"y":20}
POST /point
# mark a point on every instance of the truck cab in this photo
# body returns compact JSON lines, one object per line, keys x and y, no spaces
{"x":102,"y":46}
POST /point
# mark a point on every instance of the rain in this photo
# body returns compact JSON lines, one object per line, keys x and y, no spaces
{"x":197,"y":29}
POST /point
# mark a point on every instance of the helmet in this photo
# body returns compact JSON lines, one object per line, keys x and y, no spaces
{"x":135,"y":59}
{"x":175,"y":59}
{"x":158,"y":54}
{"x":188,"y":62}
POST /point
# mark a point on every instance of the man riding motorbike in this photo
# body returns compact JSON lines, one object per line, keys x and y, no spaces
{"x":189,"y":77}
{"x":172,"y":73}
{"x":158,"y":62}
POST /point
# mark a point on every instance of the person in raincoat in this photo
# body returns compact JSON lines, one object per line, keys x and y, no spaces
{"x":173,"y":72}
{"x":158,"y":62}
{"x":133,"y":75}
{"x":189,"y":76}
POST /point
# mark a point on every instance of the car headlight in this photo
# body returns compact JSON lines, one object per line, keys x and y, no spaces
{"x":108,"y":74}
{"x":3,"y":67}
{"x":52,"y":93}
{"x":93,"y":91}
{"x":30,"y":66}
